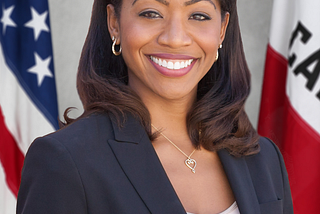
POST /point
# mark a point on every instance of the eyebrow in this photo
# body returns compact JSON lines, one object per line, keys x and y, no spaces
{"x":186,"y":3}
{"x":196,"y":1}
{"x":161,"y":1}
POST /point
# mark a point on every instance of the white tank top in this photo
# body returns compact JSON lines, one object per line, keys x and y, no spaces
{"x":233,"y":209}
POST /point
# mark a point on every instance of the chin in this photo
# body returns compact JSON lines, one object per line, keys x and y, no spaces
{"x":177,"y":95}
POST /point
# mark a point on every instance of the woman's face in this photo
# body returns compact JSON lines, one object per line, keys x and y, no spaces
{"x":168,"y":45}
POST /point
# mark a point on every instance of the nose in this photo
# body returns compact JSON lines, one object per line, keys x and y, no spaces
{"x":175,"y":33}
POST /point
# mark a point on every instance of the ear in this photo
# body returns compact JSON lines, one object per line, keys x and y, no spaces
{"x":113,"y":23}
{"x":224,"y":25}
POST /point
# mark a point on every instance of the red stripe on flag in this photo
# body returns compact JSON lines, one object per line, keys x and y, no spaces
{"x":299,"y":143}
{"x":273,"y":97}
{"x":10,"y":156}
{"x":300,"y":150}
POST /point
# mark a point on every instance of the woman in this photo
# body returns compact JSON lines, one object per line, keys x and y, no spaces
{"x":163,"y":84}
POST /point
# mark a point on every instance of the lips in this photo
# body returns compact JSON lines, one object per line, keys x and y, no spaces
{"x":171,"y":64}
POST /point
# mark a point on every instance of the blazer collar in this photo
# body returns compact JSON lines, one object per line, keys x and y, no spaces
{"x":240,"y":181}
{"x":139,"y":161}
{"x":131,"y":131}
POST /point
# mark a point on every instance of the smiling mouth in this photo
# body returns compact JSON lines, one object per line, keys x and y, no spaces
{"x":172,"y":64}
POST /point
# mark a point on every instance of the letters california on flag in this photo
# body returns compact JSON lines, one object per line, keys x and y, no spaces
{"x":28,"y":99}
{"x":290,"y":103}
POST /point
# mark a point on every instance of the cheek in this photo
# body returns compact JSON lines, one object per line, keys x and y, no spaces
{"x":134,"y":33}
{"x":134,"y":39}
{"x":209,"y":42}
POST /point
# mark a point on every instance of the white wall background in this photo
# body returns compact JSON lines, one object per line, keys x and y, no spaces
{"x":69,"y":25}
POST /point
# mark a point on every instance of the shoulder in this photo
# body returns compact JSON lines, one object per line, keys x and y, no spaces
{"x":76,"y":141}
{"x":87,"y":129}
{"x":86,"y":138}
{"x":91,"y":125}
{"x":267,"y":170}
{"x":269,"y":155}
{"x":268,"y":149}
{"x":60,"y":163}
{"x":269,"y":174}
{"x":268,"y":161}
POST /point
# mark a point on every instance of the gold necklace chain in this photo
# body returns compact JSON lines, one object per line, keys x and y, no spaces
{"x":190,"y":163}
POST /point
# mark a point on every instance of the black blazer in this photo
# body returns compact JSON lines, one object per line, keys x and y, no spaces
{"x":94,"y":167}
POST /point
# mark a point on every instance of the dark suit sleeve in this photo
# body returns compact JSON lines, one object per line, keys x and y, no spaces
{"x":50,"y":181}
{"x":287,"y":199}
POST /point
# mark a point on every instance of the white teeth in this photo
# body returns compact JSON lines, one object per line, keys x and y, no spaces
{"x":170,"y":64}
{"x":182,"y":65}
{"x":164,"y":63}
{"x":177,"y":66}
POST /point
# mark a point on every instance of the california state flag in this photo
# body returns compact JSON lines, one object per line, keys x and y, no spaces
{"x":290,"y":103}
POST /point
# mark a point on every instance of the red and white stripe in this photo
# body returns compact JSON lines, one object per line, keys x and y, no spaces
{"x":20,"y":123}
{"x":290,"y":112}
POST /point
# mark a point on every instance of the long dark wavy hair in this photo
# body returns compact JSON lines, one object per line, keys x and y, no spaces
{"x":218,"y":114}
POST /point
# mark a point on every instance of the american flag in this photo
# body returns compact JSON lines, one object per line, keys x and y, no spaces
{"x":28,"y":99}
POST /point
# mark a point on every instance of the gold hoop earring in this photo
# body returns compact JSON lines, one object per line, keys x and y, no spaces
{"x":217,"y":56}
{"x":117,"y":53}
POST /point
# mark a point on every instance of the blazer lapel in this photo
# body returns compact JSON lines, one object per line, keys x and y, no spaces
{"x":142,"y":166}
{"x":240,"y":180}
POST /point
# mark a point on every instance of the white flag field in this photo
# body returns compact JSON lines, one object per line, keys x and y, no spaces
{"x":290,"y":103}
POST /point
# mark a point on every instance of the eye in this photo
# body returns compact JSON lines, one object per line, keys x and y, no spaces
{"x":199,"y":17}
{"x":150,"y":14}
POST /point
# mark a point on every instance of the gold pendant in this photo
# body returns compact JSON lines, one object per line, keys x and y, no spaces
{"x":191,"y":164}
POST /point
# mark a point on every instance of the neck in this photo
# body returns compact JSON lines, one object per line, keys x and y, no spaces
{"x":168,"y":109}
{"x":169,"y":114}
